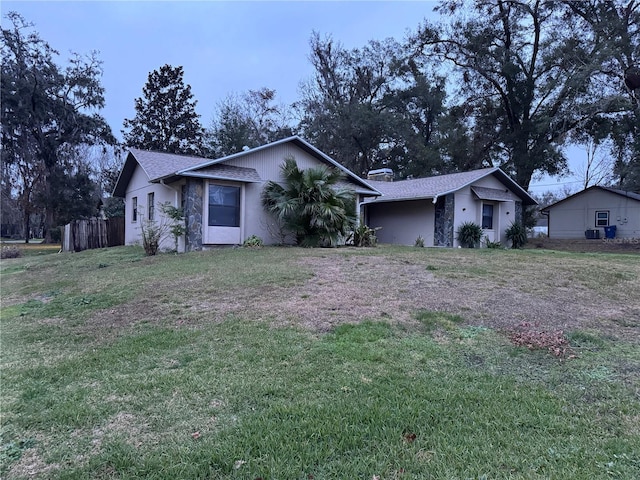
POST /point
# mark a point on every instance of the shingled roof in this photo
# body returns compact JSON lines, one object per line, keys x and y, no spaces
{"x":169,"y":167}
{"x":220,"y":171}
{"x":432,"y":187}
{"x":617,"y":191}
{"x":159,"y":165}
{"x":156,"y":165}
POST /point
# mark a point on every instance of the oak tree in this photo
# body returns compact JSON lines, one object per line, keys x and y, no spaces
{"x":47,"y":111}
{"x":525,"y":68}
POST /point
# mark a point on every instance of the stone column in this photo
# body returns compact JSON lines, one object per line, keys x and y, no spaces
{"x":443,"y":228}
{"x":193,"y":205}
{"x":518,"y":218}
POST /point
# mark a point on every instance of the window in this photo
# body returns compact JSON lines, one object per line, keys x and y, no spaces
{"x":134,"y":209}
{"x":487,"y":216}
{"x":602,"y":218}
{"x":224,"y":206}
{"x":151,"y":207}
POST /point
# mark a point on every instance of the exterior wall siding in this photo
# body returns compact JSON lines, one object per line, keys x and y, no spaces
{"x":469,"y":209}
{"x":140,"y":187}
{"x":573,"y":216}
{"x":400,"y":223}
{"x":267,"y":163}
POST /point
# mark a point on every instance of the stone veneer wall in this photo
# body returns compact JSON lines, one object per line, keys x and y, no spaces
{"x":518,"y":213}
{"x":193,"y":202}
{"x":443,"y":228}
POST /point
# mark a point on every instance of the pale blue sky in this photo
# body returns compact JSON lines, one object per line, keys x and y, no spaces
{"x":224,"y":47}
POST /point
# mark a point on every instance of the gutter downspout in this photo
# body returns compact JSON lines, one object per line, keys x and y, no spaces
{"x":547,"y":214}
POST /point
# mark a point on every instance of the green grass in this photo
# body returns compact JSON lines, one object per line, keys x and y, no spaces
{"x":34,"y":248}
{"x":180,"y":395}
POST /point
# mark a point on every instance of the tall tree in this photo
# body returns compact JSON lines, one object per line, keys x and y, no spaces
{"x":108,"y":164}
{"x":166,"y":118}
{"x":532,"y":64}
{"x":616,"y":24}
{"x":77,"y":193}
{"x":251,"y":119}
{"x":46,"y":111}
{"x":370,"y":108}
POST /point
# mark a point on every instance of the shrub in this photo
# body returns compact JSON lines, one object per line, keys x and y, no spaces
{"x":253,"y":241}
{"x":56,"y":234}
{"x":363,"y":236}
{"x":419,"y":242}
{"x":489,"y":244}
{"x":517,"y":234}
{"x":176,"y":225}
{"x":10,"y":252}
{"x":151,"y":236}
{"x":153,"y":232}
{"x":469,"y":234}
{"x":311,"y":204}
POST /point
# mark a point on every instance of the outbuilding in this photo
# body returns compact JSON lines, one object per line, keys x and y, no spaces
{"x":596,"y":212}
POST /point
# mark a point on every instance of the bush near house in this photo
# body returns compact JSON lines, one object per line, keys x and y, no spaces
{"x":310,"y":205}
{"x":469,"y":234}
{"x":516,"y":234}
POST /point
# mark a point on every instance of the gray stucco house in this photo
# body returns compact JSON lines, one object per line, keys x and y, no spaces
{"x":434,"y":207}
{"x":221,"y":198}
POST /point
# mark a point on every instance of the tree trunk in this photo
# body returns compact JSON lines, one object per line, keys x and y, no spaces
{"x":27,"y":225}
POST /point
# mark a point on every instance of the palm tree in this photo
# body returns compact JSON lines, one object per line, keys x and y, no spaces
{"x":310,"y":204}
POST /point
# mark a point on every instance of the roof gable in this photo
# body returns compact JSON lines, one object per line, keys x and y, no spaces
{"x":156,"y":165}
{"x":615,"y":191}
{"x":432,"y":187}
{"x":366,"y":186}
{"x":161,"y":166}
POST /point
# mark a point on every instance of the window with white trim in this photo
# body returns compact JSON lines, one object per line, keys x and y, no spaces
{"x":134,"y":209}
{"x":487,"y":216}
{"x":224,"y":206}
{"x":602,"y":218}
{"x":151,"y":206}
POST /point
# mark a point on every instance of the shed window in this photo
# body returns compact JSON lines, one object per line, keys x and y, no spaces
{"x":151,"y":206}
{"x":134,"y":209}
{"x":602,"y":218}
{"x":224,"y":206}
{"x":487,"y":216}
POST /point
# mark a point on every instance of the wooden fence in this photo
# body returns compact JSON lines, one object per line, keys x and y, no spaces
{"x":92,"y":233}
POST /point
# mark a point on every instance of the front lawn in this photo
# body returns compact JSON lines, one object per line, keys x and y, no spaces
{"x":287,"y":363}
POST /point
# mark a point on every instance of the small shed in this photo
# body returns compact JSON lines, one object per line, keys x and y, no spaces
{"x":596,"y":212}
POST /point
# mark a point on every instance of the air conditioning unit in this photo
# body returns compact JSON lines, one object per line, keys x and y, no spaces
{"x":592,"y":234}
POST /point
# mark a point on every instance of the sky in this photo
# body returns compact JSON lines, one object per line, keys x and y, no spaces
{"x":225,"y":47}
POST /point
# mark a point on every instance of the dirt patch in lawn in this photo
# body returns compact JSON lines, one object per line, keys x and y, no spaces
{"x":602,"y":245}
{"x":350,"y":289}
{"x":495,"y":291}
